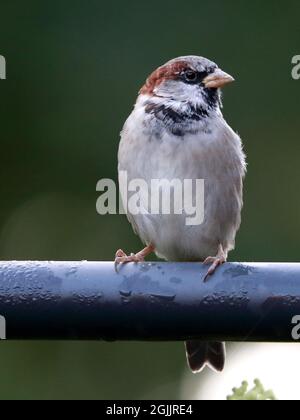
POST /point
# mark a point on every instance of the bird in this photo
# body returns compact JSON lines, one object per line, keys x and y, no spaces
{"x":177,"y":131}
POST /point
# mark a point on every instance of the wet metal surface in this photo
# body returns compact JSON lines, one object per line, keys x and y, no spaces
{"x":149,"y":301}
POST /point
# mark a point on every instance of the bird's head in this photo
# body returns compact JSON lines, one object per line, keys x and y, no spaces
{"x":191,"y":79}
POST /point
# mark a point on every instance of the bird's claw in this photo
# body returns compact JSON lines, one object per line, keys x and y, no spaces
{"x":215,"y":263}
{"x":122,"y":258}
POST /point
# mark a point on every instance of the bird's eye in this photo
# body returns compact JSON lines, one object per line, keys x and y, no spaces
{"x":194,"y":77}
{"x":191,"y":76}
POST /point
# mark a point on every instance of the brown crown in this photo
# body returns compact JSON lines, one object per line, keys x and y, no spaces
{"x":166,"y":72}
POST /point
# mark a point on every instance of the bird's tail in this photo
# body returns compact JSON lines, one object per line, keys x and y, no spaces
{"x":200,"y":354}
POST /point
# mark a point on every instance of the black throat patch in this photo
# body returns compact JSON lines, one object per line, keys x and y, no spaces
{"x":181,"y":123}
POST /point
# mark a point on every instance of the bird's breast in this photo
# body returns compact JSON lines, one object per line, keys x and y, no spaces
{"x":214,"y":155}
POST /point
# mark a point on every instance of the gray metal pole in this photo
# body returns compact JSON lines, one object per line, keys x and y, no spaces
{"x":151,"y":301}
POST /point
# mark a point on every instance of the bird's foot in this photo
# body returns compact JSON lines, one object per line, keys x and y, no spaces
{"x":123,"y":258}
{"x":215,"y":262}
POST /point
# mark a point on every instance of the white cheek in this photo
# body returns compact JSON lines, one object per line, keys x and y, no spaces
{"x":180,"y":91}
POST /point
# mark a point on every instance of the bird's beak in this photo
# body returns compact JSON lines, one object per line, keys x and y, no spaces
{"x":218,"y":79}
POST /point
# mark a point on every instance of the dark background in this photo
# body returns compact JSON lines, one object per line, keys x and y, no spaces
{"x":73,"y":72}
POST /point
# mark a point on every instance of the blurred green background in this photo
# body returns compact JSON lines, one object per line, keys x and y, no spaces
{"x":73,"y":71}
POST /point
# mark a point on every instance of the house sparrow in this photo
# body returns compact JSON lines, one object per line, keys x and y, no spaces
{"x":177,"y":131}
